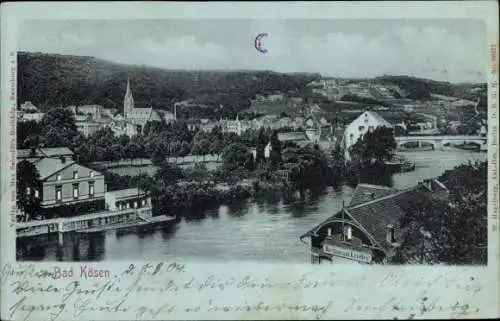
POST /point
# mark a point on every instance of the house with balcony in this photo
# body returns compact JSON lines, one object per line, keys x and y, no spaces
{"x":368,"y":230}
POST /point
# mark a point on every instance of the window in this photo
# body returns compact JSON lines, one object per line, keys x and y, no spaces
{"x":329,"y":232}
{"x":59,"y":193}
{"x":370,"y":128}
{"x":91,"y":189}
{"x":390,"y":234}
{"x":59,"y":177}
{"x":361,"y":128}
{"x":91,"y":173}
{"x":37,"y":194}
{"x":75,"y":174}
{"x":143,"y":202}
{"x":366,"y":120}
{"x":120,"y":206}
{"x":348,"y":233}
{"x":135,"y":204}
{"x":28,"y":191}
{"x":76,"y":191}
{"x":128,"y":205}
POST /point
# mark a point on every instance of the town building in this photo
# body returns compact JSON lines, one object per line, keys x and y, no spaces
{"x":368,"y":230}
{"x":62,"y":180}
{"x":136,"y":118}
{"x":28,"y":107}
{"x":29,"y":112}
{"x":298,"y":138}
{"x":126,"y":198}
{"x":236,"y":126}
{"x":366,"y":122}
{"x":87,"y":125}
{"x":96,"y":111}
{"x":28,"y":116}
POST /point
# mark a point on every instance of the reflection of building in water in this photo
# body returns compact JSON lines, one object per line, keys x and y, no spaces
{"x":76,"y":247}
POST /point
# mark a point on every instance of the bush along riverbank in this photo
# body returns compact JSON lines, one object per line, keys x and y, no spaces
{"x":189,"y":199}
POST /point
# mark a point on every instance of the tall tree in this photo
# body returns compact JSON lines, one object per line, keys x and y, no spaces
{"x":452,"y":231}
{"x":28,"y":185}
{"x":58,"y":127}
{"x":377,"y":145}
{"x":275,"y":156}
{"x":237,"y":155}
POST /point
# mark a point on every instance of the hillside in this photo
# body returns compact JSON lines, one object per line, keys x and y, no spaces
{"x":51,"y":80}
{"x":420,"y":89}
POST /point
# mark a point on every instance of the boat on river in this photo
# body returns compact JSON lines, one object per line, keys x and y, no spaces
{"x":399,"y":165}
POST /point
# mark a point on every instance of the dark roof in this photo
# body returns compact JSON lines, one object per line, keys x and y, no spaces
{"x":49,"y":166}
{"x":374,"y":216}
{"x":44,"y":152}
{"x":126,"y":193}
{"x":366,"y":193}
{"x":292,"y":136}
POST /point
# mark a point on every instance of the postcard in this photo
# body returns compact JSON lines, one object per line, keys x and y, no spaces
{"x":227,"y":160}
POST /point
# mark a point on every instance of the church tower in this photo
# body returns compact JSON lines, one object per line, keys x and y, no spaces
{"x":128,"y":101}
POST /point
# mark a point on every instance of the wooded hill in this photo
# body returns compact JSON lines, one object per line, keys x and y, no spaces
{"x":53,"y":80}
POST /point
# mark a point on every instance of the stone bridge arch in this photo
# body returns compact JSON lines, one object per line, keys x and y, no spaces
{"x":434,"y":143}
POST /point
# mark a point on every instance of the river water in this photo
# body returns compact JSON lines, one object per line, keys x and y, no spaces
{"x":263,"y":230}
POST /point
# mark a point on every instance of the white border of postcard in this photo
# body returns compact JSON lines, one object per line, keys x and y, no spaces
{"x":244,"y":290}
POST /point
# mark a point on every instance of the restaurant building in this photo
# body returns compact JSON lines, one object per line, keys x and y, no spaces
{"x":368,"y":230}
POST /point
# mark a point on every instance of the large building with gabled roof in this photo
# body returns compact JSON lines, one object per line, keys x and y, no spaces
{"x":368,"y":230}
{"x":136,"y":118}
{"x":63,"y":182}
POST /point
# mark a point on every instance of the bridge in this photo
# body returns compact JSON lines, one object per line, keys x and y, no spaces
{"x":438,"y":142}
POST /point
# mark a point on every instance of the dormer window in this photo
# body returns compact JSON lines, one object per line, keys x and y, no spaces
{"x":329,"y":232}
{"x":390,"y":234}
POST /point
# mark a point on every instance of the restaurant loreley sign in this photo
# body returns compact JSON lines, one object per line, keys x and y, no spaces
{"x":352,"y":254}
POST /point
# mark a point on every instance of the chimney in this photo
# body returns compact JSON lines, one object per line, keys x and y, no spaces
{"x":390,"y":234}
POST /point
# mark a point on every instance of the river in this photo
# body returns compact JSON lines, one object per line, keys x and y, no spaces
{"x":260,"y":230}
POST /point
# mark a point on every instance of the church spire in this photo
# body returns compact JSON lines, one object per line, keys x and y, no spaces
{"x":128,"y":100}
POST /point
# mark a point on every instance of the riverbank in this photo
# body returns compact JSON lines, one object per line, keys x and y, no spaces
{"x":263,"y":229}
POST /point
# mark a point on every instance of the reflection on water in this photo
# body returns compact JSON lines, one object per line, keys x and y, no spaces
{"x":265,"y":229}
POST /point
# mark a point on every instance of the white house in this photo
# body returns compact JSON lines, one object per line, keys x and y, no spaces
{"x":126,"y":198}
{"x":30,"y":116}
{"x":29,"y":107}
{"x":365,"y":122}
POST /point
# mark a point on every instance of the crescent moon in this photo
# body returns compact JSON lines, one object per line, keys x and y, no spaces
{"x":258,"y":42}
